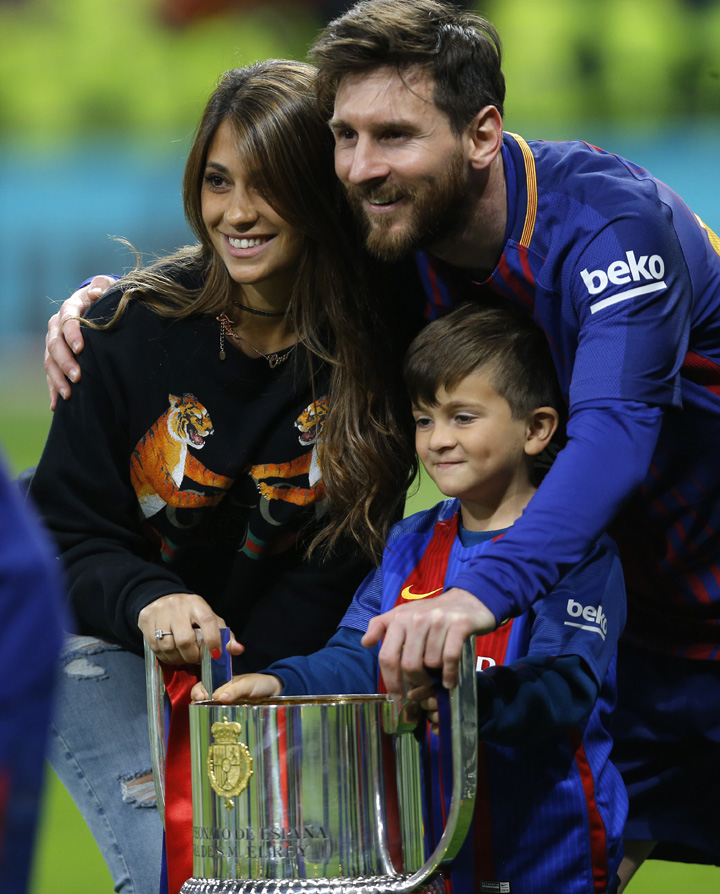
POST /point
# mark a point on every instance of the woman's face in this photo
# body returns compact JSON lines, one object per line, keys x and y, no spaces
{"x":260,"y":249}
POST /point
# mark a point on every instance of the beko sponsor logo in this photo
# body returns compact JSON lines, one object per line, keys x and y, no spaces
{"x":648,"y":270}
{"x":588,"y":618}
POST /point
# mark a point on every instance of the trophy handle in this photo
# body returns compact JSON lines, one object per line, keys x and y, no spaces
{"x":155,"y":694}
{"x":213,"y":674}
{"x":463,"y":710}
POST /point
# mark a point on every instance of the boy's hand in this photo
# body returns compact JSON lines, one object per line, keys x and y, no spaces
{"x":428,"y":633}
{"x":426,"y":698}
{"x":242,"y":688}
{"x":64,"y":338}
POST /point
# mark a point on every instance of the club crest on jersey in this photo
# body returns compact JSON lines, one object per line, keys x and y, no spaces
{"x":646,"y":270}
{"x":589,"y":618}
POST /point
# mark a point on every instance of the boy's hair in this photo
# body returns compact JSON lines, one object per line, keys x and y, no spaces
{"x":460,"y":49}
{"x":499,"y":339}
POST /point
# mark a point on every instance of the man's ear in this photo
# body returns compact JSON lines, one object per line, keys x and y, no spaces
{"x":542,"y":425}
{"x":485,"y":135}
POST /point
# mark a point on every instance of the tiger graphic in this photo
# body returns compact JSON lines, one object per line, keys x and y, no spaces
{"x":160,"y":459}
{"x":310,"y":425}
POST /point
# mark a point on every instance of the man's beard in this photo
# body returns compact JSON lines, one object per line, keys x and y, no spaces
{"x":438,"y":209}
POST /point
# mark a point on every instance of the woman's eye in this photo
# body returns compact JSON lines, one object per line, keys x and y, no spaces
{"x":214,"y":181}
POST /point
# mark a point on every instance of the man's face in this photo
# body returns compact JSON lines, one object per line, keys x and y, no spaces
{"x":405,"y":171}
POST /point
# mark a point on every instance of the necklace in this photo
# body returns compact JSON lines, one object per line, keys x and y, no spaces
{"x":226,"y":329}
{"x":260,"y":313}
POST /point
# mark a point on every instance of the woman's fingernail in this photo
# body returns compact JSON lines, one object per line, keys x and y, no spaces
{"x":216,"y":653}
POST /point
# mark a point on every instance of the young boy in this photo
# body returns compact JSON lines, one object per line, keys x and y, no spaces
{"x":550,"y":807}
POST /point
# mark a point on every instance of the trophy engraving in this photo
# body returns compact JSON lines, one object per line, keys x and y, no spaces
{"x":229,"y":764}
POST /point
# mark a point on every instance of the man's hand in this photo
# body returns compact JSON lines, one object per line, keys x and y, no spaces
{"x":242,"y":688}
{"x":428,"y":633}
{"x":178,"y":616}
{"x":64,"y":339}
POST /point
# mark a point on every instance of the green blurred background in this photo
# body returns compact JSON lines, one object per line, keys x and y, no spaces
{"x":99,"y":98}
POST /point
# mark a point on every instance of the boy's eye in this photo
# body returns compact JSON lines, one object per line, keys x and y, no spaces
{"x":464,"y":418}
{"x":422,"y":422}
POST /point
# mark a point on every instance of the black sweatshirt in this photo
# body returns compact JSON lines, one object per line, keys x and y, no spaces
{"x":236,"y":427}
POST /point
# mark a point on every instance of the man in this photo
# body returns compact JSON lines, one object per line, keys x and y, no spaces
{"x":625,"y":282}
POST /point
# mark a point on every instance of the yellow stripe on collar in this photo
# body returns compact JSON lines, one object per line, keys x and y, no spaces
{"x":532,"y":189}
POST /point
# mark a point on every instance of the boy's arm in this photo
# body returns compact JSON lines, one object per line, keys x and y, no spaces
{"x":572,"y":643}
{"x":534,"y":699}
{"x":342,"y":667}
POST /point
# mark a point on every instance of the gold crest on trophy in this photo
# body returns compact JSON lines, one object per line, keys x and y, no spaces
{"x":229,"y":764}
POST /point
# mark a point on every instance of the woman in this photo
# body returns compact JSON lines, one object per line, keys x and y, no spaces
{"x":185,"y":479}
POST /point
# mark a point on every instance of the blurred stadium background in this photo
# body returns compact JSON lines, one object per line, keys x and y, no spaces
{"x":98,"y":100}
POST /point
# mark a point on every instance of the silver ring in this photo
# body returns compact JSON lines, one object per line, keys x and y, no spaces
{"x":159,"y":634}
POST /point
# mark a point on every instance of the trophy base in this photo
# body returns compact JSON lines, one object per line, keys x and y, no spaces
{"x":378,"y":884}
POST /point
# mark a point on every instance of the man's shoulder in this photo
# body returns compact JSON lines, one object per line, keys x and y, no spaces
{"x":592,"y":175}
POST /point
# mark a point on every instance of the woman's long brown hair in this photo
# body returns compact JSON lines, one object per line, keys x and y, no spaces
{"x":367,"y":456}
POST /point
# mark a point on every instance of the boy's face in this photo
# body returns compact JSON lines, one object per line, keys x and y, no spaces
{"x":471,"y":446}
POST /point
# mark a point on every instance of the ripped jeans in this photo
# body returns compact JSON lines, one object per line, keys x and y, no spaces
{"x":99,"y":748}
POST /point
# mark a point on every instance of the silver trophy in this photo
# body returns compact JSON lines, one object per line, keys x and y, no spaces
{"x":320,"y":795}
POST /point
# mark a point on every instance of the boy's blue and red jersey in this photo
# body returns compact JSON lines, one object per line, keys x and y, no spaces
{"x":625,"y":282}
{"x":550,"y":807}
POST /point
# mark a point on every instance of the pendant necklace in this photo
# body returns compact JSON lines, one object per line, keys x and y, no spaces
{"x":226,"y":330}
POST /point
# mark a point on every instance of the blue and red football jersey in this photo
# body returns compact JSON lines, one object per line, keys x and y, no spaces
{"x":550,"y":810}
{"x":625,"y":282}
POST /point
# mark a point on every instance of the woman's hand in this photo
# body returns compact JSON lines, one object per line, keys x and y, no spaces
{"x":242,"y":688}
{"x":64,"y":338}
{"x":178,"y":617}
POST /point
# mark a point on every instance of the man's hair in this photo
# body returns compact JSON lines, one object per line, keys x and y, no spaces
{"x":460,"y":49}
{"x":496,"y":338}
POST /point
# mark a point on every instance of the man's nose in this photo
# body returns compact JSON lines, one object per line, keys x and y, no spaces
{"x":368,"y":162}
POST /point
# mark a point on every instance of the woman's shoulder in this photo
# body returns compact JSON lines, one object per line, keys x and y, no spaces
{"x":167,"y":284}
